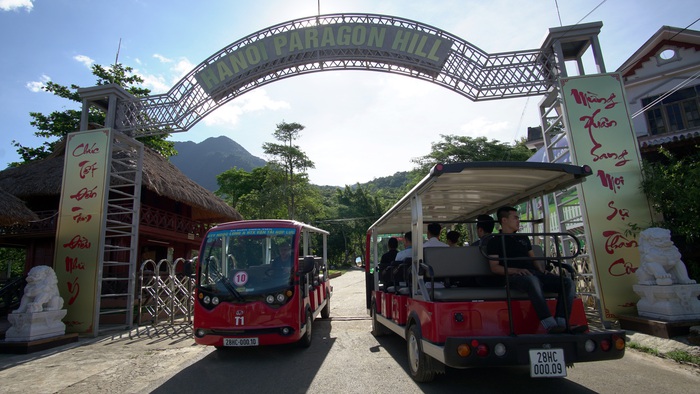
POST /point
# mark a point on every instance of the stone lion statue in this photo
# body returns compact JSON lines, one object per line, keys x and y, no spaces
{"x":660,"y":261}
{"x":41,"y":291}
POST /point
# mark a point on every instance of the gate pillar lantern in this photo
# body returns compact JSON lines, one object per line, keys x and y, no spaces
{"x":571,"y":43}
{"x":105,"y":98}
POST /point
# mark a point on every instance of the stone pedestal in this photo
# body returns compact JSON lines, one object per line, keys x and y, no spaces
{"x":26,"y":327}
{"x":678,"y":302}
{"x":657,"y":328}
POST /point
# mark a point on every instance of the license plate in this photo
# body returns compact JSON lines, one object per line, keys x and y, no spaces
{"x":236,"y":342}
{"x":547,"y":363}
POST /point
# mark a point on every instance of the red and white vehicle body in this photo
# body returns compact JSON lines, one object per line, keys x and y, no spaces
{"x":470,"y":324}
{"x":252,"y":291}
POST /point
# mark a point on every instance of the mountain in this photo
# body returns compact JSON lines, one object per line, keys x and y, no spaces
{"x":203,"y":161}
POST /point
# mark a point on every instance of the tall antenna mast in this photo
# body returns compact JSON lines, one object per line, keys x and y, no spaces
{"x":116,"y":60}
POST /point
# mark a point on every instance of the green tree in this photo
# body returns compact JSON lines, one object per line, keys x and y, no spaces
{"x":234,"y":184}
{"x":309,"y":206}
{"x":672,"y":186}
{"x":455,"y":149}
{"x":291,"y":160}
{"x":14,"y":257}
{"x":260,"y":194}
{"x":255,"y":194}
{"x":56,"y":125}
{"x":357,"y":209}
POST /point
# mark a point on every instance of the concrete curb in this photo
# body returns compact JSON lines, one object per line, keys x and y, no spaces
{"x":664,"y":345}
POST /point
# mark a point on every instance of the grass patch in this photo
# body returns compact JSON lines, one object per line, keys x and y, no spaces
{"x":683,"y":357}
{"x":678,"y":356}
{"x":644,"y":349}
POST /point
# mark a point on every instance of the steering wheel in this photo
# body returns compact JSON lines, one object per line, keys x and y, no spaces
{"x":231,"y":261}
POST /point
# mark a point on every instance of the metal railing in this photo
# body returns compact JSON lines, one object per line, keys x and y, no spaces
{"x":165,"y":298}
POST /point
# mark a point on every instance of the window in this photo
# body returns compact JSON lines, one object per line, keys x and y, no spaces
{"x":675,"y":120}
{"x":655,"y":121}
{"x":692,"y":114}
{"x":679,"y":111}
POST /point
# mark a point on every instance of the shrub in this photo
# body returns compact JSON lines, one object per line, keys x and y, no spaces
{"x":672,"y":186}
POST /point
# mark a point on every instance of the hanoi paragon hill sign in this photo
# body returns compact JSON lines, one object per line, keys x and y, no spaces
{"x":408,"y":47}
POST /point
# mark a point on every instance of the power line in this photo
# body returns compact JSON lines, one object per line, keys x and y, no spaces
{"x":522,"y":116}
{"x":596,"y":7}
{"x":345,"y":219}
{"x":684,"y":29}
{"x":677,"y":87}
{"x":556,"y":3}
{"x":663,"y":96}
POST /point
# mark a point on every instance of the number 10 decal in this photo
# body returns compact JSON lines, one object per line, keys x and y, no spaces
{"x":240,"y":278}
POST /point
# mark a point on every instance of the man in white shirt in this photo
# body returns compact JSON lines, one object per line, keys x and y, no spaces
{"x":433,"y":242}
{"x":407,"y":250}
{"x":433,"y":234}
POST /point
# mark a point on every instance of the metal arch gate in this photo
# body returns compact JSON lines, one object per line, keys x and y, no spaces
{"x":459,"y":66}
{"x":464,"y":69}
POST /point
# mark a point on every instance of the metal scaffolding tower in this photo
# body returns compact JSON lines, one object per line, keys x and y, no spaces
{"x":569,"y":44}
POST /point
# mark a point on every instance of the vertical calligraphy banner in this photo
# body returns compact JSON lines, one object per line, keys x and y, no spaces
{"x":79,"y":230}
{"x":601,"y":136}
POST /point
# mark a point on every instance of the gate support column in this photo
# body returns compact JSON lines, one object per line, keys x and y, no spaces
{"x":569,"y":44}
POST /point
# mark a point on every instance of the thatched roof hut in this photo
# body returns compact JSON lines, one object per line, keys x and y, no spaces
{"x":44,"y":178}
{"x":13,"y":210}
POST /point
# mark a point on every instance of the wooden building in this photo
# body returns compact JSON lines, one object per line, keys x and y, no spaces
{"x":174,"y":215}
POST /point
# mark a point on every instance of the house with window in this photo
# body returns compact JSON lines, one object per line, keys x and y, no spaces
{"x":662,"y":85}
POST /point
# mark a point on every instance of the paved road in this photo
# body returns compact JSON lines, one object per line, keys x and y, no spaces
{"x":344,"y":358}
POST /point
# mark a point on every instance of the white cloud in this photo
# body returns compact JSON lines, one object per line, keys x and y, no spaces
{"x":162,"y":58}
{"x":155,"y":83}
{"x":159,"y":83}
{"x":180,"y":69}
{"x":14,"y":5}
{"x":84,"y":59}
{"x":481,"y":126}
{"x":37,"y":86}
{"x":229,"y":114}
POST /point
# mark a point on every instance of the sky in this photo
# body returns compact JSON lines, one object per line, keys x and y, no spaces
{"x":359,"y":125}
